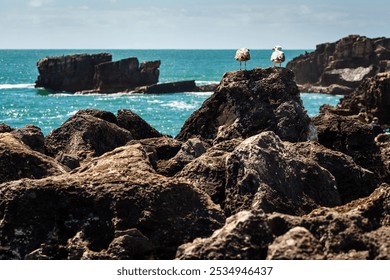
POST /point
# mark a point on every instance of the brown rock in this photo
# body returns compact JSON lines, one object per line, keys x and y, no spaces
{"x":244,"y":236}
{"x":247,"y":103}
{"x":84,"y":136}
{"x":32,"y":136}
{"x":262,"y":173}
{"x":372,"y":97}
{"x":343,"y":64}
{"x":115,"y":193}
{"x":138,"y":128}
{"x":297,"y":244}
{"x":351,"y":136}
{"x":352,"y":181}
{"x":17,"y":161}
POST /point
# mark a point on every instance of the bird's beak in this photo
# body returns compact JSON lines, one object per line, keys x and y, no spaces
{"x":273,"y":49}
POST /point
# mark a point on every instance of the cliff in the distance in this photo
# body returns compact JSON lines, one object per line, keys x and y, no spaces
{"x":241,"y":181}
{"x":340,"y":67}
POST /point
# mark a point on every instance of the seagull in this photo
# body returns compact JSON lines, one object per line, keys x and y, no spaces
{"x":242,"y":55}
{"x":277,"y":56}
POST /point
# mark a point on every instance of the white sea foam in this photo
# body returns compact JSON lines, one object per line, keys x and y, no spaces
{"x":202,"y":93}
{"x":70,"y":114}
{"x":15,"y":86}
{"x":205,"y":83}
{"x":181,"y":105}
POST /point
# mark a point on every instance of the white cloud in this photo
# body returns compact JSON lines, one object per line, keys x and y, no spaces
{"x":38,"y":3}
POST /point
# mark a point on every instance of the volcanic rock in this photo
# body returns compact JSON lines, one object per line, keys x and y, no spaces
{"x":357,"y":230}
{"x":352,"y":180}
{"x":84,"y":214}
{"x":341,"y":66}
{"x":244,"y":236}
{"x":208,"y":173}
{"x":349,"y":135}
{"x":32,"y":136}
{"x":138,"y":128}
{"x":247,"y":103}
{"x":262,"y":173}
{"x":297,"y":244}
{"x":372,"y":97}
{"x":84,"y":136}
{"x":17,"y":160}
{"x":190,"y":150}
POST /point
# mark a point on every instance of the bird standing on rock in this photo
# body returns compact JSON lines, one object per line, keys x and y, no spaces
{"x":278,"y":56}
{"x":242,"y":55}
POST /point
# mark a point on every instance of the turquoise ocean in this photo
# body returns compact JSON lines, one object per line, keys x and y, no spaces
{"x":21,"y":103}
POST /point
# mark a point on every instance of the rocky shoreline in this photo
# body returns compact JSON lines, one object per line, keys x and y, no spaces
{"x":250,"y":176}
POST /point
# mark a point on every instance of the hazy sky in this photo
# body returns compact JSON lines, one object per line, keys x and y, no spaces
{"x":195,"y":24}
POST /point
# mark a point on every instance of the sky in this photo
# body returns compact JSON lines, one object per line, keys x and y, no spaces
{"x":185,"y":24}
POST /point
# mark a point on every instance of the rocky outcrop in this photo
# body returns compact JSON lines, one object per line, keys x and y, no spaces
{"x":352,"y":180}
{"x":358,"y":230}
{"x":262,"y":173}
{"x":371,"y":98}
{"x":113,"y":204}
{"x":246,"y":229}
{"x":247,"y":103}
{"x":91,"y":133}
{"x":208,"y":171}
{"x":124,"y":75}
{"x":340,"y":67}
{"x":348,"y":127}
{"x":69,"y":73}
{"x":85,"y":136}
{"x":138,"y":128}
{"x":32,"y":136}
{"x":241,"y":182}
{"x":17,"y":160}
{"x":95,"y":73}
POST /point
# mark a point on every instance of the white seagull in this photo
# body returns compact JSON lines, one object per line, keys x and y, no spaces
{"x":278,"y":55}
{"x":242,"y":55}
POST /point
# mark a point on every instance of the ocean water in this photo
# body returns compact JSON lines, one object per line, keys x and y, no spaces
{"x":22,"y":104}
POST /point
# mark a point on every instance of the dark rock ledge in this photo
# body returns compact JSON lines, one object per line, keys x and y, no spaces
{"x":240,"y":181}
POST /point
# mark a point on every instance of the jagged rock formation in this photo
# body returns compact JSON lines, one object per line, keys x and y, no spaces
{"x":82,"y":214}
{"x":348,"y":127}
{"x":241,"y":182}
{"x":340,"y":67}
{"x":287,"y":189}
{"x":91,"y":133}
{"x":372,"y":97}
{"x":247,"y":103}
{"x":17,"y":160}
{"x":358,"y":230}
{"x":95,"y":73}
